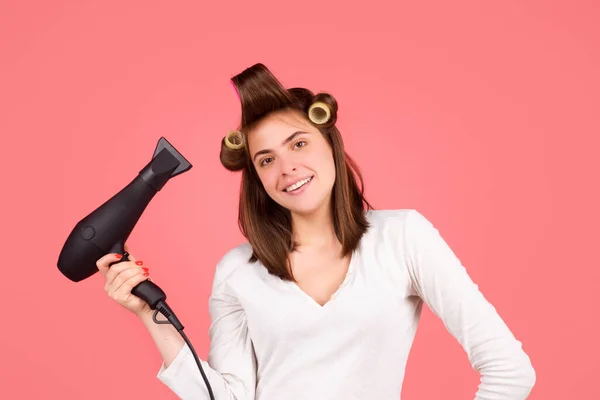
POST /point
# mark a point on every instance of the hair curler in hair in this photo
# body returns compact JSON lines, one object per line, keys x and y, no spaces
{"x":319,"y":112}
{"x":234,"y":140}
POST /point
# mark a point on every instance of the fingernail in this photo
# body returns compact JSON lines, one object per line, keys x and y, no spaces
{"x":119,"y":256}
{"x":146,"y":274}
{"x":139,"y":262}
{"x":145,"y":269}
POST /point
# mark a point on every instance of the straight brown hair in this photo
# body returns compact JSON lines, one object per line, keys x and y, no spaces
{"x":266,"y":225}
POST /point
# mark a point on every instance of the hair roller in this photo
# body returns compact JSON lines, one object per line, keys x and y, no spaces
{"x":323,"y":110}
{"x":233,"y":154}
{"x":319,"y":113}
{"x":234,"y":140}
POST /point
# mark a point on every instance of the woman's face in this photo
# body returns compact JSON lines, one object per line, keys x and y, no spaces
{"x":294,"y":162}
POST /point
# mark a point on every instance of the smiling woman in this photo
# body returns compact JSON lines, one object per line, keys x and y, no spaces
{"x":294,"y":167}
{"x":324,"y":299}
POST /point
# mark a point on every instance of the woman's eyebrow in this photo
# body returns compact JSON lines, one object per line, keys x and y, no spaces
{"x":287,"y":140}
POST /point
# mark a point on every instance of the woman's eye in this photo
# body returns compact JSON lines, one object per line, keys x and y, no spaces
{"x":301,"y":143}
{"x":265,"y":161}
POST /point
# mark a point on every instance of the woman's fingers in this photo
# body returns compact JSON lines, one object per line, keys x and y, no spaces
{"x":103,"y":262}
{"x":126,"y":281}
{"x":124,"y":276}
{"x":127,"y":286}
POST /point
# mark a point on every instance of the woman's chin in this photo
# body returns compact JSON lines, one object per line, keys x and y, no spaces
{"x":304,"y":208}
{"x":303,"y":212}
{"x":306,"y":204}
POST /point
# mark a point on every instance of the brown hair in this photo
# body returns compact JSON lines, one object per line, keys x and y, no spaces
{"x":267,"y":225}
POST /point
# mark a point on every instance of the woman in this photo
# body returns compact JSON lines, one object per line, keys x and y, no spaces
{"x":324,"y":299}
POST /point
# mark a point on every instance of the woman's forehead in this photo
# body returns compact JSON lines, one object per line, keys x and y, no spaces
{"x":276,"y":127}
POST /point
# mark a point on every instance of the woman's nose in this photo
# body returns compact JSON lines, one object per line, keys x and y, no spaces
{"x":287,"y":164}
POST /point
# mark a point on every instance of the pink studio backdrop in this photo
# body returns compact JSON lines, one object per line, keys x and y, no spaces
{"x":483,"y":117}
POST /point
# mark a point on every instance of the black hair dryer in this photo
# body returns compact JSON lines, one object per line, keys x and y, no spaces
{"x":108,"y":227}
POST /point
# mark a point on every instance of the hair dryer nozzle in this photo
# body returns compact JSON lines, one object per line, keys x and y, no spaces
{"x":184,"y":164}
{"x":166,"y":163}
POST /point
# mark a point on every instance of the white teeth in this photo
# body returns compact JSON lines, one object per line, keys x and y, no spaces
{"x":297,"y":185}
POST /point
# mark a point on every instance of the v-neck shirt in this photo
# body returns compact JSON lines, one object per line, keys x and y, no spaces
{"x":270,"y":340}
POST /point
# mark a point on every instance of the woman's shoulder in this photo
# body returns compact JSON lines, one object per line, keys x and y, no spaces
{"x":400,"y":222}
{"x":390,"y":218}
{"x":232,"y":261}
{"x":237,"y":253}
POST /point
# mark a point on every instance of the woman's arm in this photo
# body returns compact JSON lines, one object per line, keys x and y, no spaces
{"x":166,"y":338}
{"x":443,"y":283}
{"x":230,"y":367}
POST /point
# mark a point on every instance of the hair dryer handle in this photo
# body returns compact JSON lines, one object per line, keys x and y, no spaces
{"x":150,"y":293}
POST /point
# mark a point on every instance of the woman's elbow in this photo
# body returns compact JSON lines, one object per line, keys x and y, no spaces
{"x":514,"y":372}
{"x":528,"y":374}
{"x":524,"y":374}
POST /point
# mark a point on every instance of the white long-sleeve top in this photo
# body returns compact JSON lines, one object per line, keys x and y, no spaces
{"x":272,"y":341}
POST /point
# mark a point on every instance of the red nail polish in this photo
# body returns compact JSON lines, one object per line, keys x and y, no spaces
{"x":119,"y":256}
{"x":145,"y":269}
{"x":139,"y":262}
{"x":146,"y":274}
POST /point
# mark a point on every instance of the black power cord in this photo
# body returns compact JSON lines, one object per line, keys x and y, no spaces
{"x":172,"y":319}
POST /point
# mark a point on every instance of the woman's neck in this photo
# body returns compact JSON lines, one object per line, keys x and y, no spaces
{"x":315,"y":232}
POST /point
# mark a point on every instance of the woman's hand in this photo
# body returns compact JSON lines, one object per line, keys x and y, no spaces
{"x":121,"y":278}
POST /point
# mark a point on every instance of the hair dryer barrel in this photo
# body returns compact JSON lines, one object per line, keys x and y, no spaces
{"x":107,"y":228}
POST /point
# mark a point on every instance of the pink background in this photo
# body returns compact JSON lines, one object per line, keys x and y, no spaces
{"x":483,"y":117}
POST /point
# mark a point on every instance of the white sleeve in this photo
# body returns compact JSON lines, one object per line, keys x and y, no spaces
{"x":231,"y":364}
{"x":443,"y":283}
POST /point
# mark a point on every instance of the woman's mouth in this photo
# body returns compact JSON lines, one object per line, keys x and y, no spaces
{"x":298,"y":186}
